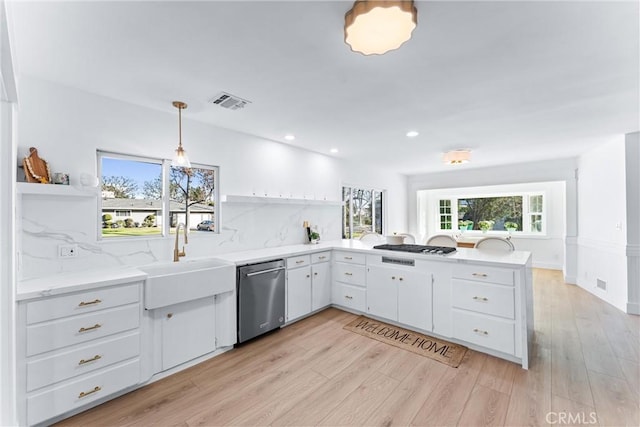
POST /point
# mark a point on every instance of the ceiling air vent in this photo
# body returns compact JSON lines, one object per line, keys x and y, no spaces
{"x":228,"y":101}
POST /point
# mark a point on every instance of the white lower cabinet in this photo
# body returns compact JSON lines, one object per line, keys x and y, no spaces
{"x":188,"y":331}
{"x":401,"y":294}
{"x":298,"y":292}
{"x":76,"y":348}
{"x":320,"y":285}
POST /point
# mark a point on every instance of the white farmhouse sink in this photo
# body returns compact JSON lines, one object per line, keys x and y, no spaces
{"x":176,"y":282}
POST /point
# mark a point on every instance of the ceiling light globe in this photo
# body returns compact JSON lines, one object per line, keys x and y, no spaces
{"x":374,"y":27}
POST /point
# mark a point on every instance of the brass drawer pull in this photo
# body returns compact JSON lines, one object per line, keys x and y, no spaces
{"x":480,"y":331}
{"x":348,"y":257}
{"x":308,"y":275}
{"x":90,"y":328}
{"x":401,"y":278}
{"x":481,"y":298}
{"x":393,"y":277}
{"x":479,"y":274}
{"x":84,"y":304}
{"x":93,"y":359}
{"x":300,"y":262}
{"x":348,"y":274}
{"x":87,"y":393}
{"x":348,"y":297}
{"x":322,"y":257}
{"x":315,"y":274}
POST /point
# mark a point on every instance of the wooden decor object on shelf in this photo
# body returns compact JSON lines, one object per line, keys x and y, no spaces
{"x":35,"y":168}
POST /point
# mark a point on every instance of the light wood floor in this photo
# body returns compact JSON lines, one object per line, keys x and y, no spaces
{"x":585,"y":371}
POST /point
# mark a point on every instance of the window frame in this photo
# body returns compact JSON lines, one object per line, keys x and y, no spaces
{"x":165,"y":164}
{"x":526,"y":214}
{"x":383,"y":209}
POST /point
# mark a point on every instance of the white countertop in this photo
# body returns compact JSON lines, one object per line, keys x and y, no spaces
{"x":83,"y":280}
{"x":515,"y":258}
{"x":77,"y":281}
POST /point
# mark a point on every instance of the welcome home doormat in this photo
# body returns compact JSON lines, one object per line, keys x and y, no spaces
{"x":443,"y":351}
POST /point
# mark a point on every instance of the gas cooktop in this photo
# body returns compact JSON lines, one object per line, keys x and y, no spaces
{"x":417,"y":249}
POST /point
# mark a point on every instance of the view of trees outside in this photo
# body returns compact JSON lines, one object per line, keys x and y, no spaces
{"x":136,"y":187}
{"x":361,"y":212}
{"x":497,"y":210}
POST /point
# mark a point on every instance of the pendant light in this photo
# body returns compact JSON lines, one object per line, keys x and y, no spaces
{"x":180,"y":159}
{"x":374,"y":27}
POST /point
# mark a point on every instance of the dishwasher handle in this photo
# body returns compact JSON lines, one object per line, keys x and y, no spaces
{"x":271,"y":270}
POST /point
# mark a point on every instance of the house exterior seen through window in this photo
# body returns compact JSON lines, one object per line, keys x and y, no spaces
{"x":362,"y":212}
{"x":138,"y":194}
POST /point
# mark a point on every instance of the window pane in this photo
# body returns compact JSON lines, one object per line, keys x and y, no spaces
{"x":535,"y":204}
{"x":192,"y":198}
{"x":128,"y":209}
{"x":490,"y":212}
{"x":378,"y":212}
{"x":346,"y":206}
{"x":362,"y":210}
{"x":536,"y":223}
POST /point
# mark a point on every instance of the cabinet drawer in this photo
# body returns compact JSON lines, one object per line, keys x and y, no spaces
{"x":298,"y":261}
{"x":77,"y":329}
{"x":484,"y":298}
{"x":483,"y":273}
{"x":321,"y":257}
{"x":82,"y":302}
{"x":67,"y":397}
{"x":87,"y":359}
{"x":486,"y":331}
{"x":350,"y":257}
{"x":349,"y":273}
{"x":349,"y":296}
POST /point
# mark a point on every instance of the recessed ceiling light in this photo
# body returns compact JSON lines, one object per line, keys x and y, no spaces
{"x":289,"y":137}
{"x":412,"y":134}
{"x":334,"y":150}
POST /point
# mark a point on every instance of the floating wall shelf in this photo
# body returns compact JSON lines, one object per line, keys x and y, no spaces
{"x":28,"y":188}
{"x":278,"y":200}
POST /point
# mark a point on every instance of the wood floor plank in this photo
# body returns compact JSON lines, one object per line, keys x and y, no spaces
{"x":399,"y":366}
{"x":497,"y":374}
{"x":403,"y":404}
{"x":485,"y":407}
{"x":569,"y":377}
{"x":359,"y":404}
{"x":566,"y":412}
{"x":446,"y":402}
{"x":614,"y":401}
{"x":631,"y":372}
{"x":334,"y":392}
{"x":597,"y":352}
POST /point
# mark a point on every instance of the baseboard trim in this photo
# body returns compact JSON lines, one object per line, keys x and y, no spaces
{"x":571,"y":280}
{"x":633,"y":308}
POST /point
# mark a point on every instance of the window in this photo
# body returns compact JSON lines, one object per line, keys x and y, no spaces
{"x":137,"y":193}
{"x":445,"y":214}
{"x":493,"y":213}
{"x":362,"y":211}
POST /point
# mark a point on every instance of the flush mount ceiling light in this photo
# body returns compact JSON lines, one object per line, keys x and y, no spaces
{"x":290,"y":137}
{"x":457,"y":157}
{"x":180,"y":159}
{"x":374,"y":27}
{"x":412,"y":134}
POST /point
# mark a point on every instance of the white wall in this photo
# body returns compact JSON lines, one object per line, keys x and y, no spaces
{"x":8,"y":98}
{"x":632,"y":168}
{"x":561,"y":170}
{"x":602,"y":222}
{"x":547,"y":251}
{"x":68,"y":125}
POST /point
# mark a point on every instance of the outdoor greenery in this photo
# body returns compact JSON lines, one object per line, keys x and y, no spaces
{"x":122,"y":187}
{"x":510,"y":225}
{"x":485,"y":225}
{"x":498,"y":210}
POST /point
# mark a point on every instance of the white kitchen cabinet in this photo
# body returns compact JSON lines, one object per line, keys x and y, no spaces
{"x":298,"y":292}
{"x":399,"y":293}
{"x":320,"y":281}
{"x":415,"y":299}
{"x":77,"y":348}
{"x":348,"y":288}
{"x":382,"y":292}
{"x":188,"y":331}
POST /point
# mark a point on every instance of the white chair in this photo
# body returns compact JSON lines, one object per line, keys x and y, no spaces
{"x":369,"y":237}
{"x":495,"y":243}
{"x":409,"y":239}
{"x":442,"y":240}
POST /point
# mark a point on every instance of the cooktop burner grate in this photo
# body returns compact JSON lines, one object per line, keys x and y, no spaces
{"x":438,"y":250}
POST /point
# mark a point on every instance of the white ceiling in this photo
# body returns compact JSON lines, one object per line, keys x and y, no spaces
{"x":512,"y":81}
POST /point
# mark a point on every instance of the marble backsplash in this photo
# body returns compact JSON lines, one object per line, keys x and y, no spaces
{"x":46,"y":223}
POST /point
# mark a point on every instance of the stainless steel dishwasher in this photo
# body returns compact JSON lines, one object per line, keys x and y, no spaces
{"x":261,"y":301}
